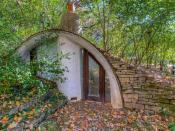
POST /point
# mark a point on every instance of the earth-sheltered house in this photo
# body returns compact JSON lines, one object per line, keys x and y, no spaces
{"x":96,"y":75}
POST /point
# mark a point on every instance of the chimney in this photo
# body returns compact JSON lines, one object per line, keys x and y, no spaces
{"x":70,"y":20}
{"x":70,"y":6}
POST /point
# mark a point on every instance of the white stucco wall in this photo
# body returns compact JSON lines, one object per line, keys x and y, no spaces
{"x":71,"y":87}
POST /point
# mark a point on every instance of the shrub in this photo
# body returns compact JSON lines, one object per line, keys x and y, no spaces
{"x":171,"y":126}
{"x":16,"y":74}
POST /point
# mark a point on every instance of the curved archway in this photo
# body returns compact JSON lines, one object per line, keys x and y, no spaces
{"x":31,"y":42}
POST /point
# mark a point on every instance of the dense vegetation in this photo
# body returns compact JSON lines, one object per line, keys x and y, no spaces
{"x":139,"y":31}
{"x":21,"y":18}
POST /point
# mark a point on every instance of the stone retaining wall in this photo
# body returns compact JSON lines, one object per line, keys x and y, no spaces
{"x":140,"y":88}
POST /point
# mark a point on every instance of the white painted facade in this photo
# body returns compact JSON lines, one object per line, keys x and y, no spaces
{"x":72,"y":86}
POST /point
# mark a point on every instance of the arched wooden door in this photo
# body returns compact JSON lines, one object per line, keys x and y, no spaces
{"x":93,"y":78}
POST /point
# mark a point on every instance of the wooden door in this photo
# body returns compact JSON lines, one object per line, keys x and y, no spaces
{"x":93,"y":78}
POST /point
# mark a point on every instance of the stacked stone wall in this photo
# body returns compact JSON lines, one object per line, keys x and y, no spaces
{"x":141,"y":90}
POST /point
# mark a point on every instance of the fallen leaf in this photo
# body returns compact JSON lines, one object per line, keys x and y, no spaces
{"x":17,"y":103}
{"x":12,"y":125}
{"x":4,"y":120}
{"x":17,"y":119}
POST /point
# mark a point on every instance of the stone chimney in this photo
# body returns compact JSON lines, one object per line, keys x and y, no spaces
{"x":70,"y":20}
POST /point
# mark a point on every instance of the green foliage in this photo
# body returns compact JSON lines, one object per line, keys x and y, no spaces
{"x":164,"y":112}
{"x":15,"y":73}
{"x":139,"y":31}
{"x":21,"y":18}
{"x":171,"y":126}
{"x":49,"y":61}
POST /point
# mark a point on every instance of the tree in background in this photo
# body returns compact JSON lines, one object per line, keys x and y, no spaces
{"x":21,"y":18}
{"x":141,"y":32}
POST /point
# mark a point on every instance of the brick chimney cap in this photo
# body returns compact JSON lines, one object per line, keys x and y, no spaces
{"x":70,"y":6}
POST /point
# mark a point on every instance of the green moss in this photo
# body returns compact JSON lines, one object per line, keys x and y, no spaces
{"x":164,"y":101}
{"x":168,"y":109}
{"x":150,"y":85}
